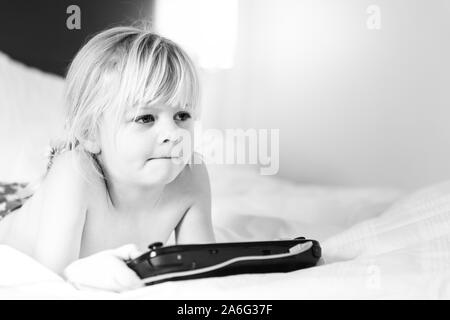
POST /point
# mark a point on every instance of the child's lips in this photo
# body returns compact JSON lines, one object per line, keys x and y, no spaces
{"x":162,"y":158}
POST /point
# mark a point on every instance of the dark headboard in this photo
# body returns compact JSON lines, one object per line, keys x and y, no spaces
{"x":35,"y":32}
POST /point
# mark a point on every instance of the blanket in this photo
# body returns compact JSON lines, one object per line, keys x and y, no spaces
{"x":377,"y":244}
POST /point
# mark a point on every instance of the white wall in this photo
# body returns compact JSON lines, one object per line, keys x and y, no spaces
{"x":354,"y":106}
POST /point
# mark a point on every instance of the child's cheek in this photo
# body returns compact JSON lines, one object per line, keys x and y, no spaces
{"x":136,"y":148}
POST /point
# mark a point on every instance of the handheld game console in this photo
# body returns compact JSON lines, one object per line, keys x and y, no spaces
{"x":182,"y":262}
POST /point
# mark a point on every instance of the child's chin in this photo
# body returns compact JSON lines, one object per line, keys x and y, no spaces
{"x":162,"y":171}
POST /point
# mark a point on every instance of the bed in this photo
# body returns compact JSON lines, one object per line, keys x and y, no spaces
{"x":378,"y":243}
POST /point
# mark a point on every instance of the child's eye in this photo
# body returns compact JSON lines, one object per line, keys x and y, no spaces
{"x":145,"y":119}
{"x":182,"y":116}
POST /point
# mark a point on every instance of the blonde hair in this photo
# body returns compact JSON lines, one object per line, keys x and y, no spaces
{"x":121,"y":68}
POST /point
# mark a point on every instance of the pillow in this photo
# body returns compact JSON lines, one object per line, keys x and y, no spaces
{"x":22,"y":271}
{"x":31,"y":114}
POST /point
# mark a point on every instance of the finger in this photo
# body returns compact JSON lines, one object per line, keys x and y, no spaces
{"x":127,"y":279}
{"x":320,"y":262}
{"x":129,"y":251}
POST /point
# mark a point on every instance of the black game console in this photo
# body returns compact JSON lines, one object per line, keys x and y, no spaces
{"x":182,"y":262}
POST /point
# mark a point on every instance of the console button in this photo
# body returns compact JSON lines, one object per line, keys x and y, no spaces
{"x":316,"y":251}
{"x":155,"y":245}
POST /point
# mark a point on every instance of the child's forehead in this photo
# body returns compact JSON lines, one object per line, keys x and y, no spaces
{"x":154,"y":107}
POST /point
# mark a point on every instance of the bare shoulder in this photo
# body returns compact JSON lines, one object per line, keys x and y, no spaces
{"x":68,"y":165}
{"x":60,"y":199}
{"x":69,"y":175}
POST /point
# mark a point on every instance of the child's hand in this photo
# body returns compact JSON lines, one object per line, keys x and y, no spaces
{"x":105,"y":270}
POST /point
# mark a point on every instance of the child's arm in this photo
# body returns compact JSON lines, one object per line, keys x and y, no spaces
{"x":196,"y":224}
{"x":62,"y":214}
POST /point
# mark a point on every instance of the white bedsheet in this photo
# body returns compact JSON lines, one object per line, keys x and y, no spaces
{"x":371,"y":249}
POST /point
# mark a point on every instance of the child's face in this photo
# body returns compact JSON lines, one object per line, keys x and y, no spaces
{"x":149,"y":144}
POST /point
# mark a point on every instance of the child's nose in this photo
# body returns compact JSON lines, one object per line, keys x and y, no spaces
{"x":174,"y":138}
{"x":170,"y":134}
{"x":169,"y":130}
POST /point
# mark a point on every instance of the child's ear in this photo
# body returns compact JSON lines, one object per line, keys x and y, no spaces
{"x":88,"y":142}
{"x":91,"y":147}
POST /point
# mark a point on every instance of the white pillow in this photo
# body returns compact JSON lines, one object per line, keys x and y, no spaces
{"x":31,"y":114}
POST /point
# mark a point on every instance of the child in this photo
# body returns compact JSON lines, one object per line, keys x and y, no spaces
{"x":123,"y":177}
